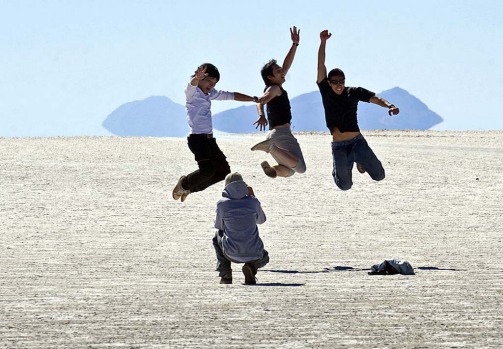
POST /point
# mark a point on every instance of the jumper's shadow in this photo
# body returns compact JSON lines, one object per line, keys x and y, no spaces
{"x":324,"y":270}
{"x":339,"y":268}
{"x":437,"y":268}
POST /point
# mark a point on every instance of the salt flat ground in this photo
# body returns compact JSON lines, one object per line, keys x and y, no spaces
{"x":96,"y":254}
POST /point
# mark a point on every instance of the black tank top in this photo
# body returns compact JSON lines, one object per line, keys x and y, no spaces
{"x":278,"y":110}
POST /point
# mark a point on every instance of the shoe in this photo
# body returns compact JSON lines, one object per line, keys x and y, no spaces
{"x":179,"y":191}
{"x":249,"y":272}
{"x":360,"y":168}
{"x":268,"y":170}
{"x":184,"y":195}
{"x":264,"y":145}
{"x":226,"y":279}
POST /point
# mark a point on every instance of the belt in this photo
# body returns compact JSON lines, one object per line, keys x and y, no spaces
{"x":201,"y":135}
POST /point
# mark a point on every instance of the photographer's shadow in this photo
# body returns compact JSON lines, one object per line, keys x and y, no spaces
{"x":276,"y":284}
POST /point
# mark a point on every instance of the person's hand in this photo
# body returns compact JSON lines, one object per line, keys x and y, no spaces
{"x":261,"y":122}
{"x":295,"y":35}
{"x":393,"y":110}
{"x":250,"y":191}
{"x":258,"y":99}
{"x":201,"y":73}
{"x":325,"y":35}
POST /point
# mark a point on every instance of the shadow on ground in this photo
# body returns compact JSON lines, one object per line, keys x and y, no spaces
{"x":339,"y":268}
{"x":275,"y":284}
{"x":437,"y":268}
{"x":324,"y":270}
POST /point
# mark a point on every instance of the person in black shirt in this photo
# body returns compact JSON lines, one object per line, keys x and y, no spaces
{"x":341,"y":103}
{"x":280,"y":142}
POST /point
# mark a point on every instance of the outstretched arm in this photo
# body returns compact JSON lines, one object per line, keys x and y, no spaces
{"x":322,"y":69}
{"x":392,"y":110}
{"x":287,"y":63}
{"x":245,"y":98}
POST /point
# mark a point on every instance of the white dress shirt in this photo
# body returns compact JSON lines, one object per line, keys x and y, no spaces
{"x":198,"y":107}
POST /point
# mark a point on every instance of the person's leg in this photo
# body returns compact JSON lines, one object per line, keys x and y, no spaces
{"x":269,"y":170}
{"x":198,"y":145}
{"x":283,"y":156}
{"x":287,"y":153}
{"x":223,"y":264}
{"x":213,"y":165}
{"x":264,"y":145}
{"x":250,"y":268}
{"x":342,"y":165}
{"x":280,"y":155}
{"x":262,"y":261}
{"x":178,"y":191}
{"x":364,"y":155}
{"x":222,"y":168}
{"x":282,"y":171}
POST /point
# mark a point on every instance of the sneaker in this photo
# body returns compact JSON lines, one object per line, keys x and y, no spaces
{"x":268,"y":170}
{"x":179,"y":191}
{"x":184,"y":195}
{"x":360,"y":168}
{"x":264,"y":145}
{"x":226,"y":279}
{"x":249,"y":272}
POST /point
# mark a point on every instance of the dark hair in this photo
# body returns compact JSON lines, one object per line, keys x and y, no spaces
{"x":336,"y":72}
{"x":267,"y":71}
{"x":211,"y":71}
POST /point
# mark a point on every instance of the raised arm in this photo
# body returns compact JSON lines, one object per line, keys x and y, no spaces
{"x":200,"y":74}
{"x":287,"y":63}
{"x":322,"y":69}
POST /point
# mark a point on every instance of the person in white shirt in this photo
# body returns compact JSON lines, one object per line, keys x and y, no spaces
{"x":212,"y":163}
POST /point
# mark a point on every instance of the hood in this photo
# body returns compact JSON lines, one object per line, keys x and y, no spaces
{"x":235,"y":190}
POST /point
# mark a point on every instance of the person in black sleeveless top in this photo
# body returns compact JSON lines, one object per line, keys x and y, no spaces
{"x":280,"y":142}
{"x":341,"y":103}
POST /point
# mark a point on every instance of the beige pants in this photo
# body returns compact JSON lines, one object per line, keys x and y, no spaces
{"x":284,"y":139}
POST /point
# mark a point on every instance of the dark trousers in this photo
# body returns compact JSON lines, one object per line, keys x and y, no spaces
{"x":346,"y":153}
{"x":213,"y":166}
{"x":224,"y":262}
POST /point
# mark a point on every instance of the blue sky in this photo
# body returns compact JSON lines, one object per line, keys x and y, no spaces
{"x":65,"y":65}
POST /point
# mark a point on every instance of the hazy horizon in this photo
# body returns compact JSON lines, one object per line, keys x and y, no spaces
{"x":68,"y":64}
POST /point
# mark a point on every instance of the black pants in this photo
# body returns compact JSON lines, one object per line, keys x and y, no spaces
{"x":224,"y":262}
{"x":213,"y":166}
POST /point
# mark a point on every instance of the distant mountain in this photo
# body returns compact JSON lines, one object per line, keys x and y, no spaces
{"x":237,"y":120}
{"x":152,"y":117}
{"x":308,"y":114}
{"x":414,"y":114}
{"x":160,"y":117}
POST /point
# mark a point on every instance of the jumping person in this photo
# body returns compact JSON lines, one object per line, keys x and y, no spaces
{"x":341,"y":103}
{"x":212,"y":163}
{"x":280,"y":142}
{"x":237,"y":239}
